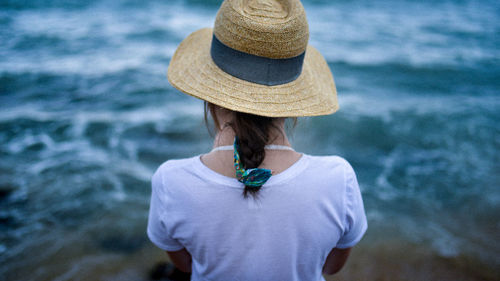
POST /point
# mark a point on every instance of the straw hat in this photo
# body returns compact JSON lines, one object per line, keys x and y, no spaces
{"x":256,"y":60}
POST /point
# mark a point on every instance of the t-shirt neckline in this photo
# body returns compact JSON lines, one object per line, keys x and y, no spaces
{"x":290,"y":172}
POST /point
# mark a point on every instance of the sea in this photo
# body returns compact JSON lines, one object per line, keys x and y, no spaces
{"x":87,"y":115}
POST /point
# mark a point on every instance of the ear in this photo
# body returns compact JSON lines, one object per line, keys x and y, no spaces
{"x":222,"y":116}
{"x":212,"y":109}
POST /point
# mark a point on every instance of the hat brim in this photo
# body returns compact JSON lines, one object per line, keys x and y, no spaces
{"x":193,"y":72}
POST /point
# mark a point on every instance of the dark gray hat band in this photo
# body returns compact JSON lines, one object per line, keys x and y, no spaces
{"x":256,"y":69}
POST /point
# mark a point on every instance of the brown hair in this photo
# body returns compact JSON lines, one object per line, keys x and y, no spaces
{"x":253,"y":132}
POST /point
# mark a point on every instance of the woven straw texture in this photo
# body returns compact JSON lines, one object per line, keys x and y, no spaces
{"x":273,"y":29}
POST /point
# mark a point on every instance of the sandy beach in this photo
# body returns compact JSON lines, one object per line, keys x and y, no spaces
{"x":384,"y":262}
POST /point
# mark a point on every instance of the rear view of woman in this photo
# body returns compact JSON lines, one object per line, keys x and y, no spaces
{"x":253,"y":208}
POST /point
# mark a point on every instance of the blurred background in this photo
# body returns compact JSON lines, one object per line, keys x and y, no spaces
{"x":87,"y":115}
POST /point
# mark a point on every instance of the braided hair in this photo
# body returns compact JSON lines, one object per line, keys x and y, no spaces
{"x":254,"y":133}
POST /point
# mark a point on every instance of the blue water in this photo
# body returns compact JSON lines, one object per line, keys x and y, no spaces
{"x":86,"y":115}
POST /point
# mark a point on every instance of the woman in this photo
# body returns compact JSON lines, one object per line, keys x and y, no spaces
{"x":253,"y":208}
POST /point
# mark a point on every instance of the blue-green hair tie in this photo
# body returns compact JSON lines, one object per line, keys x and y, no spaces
{"x":255,"y":177}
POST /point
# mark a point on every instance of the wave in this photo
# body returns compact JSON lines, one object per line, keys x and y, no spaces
{"x":87,"y":115}
{"x":103,"y":38}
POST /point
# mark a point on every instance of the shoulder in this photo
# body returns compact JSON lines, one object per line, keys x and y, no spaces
{"x":333,"y":169}
{"x":329,"y":162}
{"x":172,"y":170}
{"x":174,"y":165}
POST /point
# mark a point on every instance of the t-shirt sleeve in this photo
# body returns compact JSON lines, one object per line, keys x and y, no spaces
{"x":157,"y":227}
{"x":355,"y":218}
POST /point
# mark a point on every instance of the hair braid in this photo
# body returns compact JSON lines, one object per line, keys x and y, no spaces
{"x":253,"y":134}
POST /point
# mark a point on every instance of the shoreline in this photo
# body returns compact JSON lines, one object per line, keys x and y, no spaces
{"x":397,"y":260}
{"x":385,"y":260}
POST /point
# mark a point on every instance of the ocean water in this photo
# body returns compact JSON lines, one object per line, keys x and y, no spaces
{"x":86,"y":116}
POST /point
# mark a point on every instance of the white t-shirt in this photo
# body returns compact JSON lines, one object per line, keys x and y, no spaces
{"x":286,"y":234}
